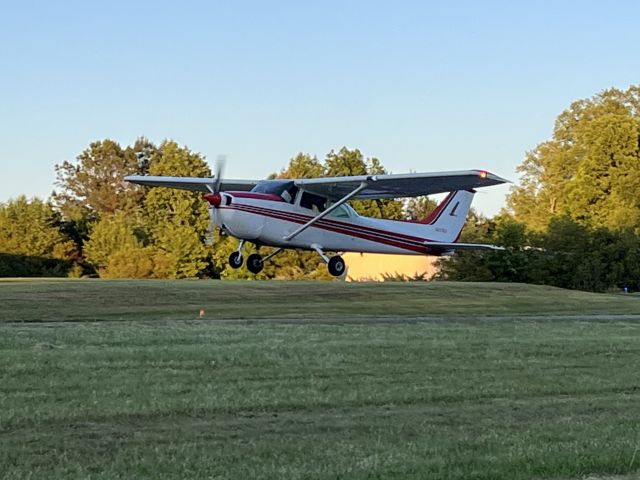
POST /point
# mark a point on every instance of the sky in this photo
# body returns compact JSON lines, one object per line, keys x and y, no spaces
{"x":423,"y":86}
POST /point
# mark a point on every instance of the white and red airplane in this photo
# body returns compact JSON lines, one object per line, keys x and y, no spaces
{"x":313,"y":214}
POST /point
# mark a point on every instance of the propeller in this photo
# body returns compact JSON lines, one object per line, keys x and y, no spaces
{"x":221,"y":161}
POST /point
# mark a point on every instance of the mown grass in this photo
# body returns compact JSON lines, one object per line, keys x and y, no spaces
{"x":81,"y":300}
{"x":543,"y":395}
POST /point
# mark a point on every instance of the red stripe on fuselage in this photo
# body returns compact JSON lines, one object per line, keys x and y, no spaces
{"x":272,"y":197}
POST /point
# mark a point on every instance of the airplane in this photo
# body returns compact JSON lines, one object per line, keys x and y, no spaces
{"x":313,"y":214}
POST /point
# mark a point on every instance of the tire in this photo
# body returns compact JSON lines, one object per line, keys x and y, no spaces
{"x":235,"y":260}
{"x":337,"y":266}
{"x":254,"y":263}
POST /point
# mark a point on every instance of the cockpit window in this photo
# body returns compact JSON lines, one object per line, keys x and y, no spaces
{"x":313,"y":202}
{"x":285,"y":188}
{"x":343,"y":211}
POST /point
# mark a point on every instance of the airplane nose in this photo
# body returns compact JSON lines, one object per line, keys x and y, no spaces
{"x":217,"y":199}
{"x":214,"y":199}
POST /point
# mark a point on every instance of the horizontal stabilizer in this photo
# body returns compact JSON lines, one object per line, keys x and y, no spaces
{"x":462,"y":246}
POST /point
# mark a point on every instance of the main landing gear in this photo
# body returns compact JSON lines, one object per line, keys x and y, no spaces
{"x":335,"y":264}
{"x":255,"y":264}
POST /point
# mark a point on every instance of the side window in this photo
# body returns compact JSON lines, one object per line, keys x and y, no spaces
{"x":313,"y":202}
{"x":341,"y":212}
{"x":289,"y":194}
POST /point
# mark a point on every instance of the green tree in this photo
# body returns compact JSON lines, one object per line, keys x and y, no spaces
{"x":155,"y":232}
{"x":580,"y":257}
{"x":419,"y":208}
{"x":31,"y":241}
{"x":347,"y":162}
{"x":111,"y":234}
{"x":470,"y":265}
{"x":577,"y":207}
{"x":626,"y":258}
{"x":568,"y":254}
{"x":94,"y":184}
{"x":604,"y":189}
{"x":139,"y":262}
{"x":182,"y":253}
{"x":177,"y":221}
{"x":31,"y":227}
{"x":509,"y":265}
{"x":303,"y":166}
{"x":589,"y":170}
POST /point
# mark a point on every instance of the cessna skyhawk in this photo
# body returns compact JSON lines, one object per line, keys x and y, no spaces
{"x":313,"y":214}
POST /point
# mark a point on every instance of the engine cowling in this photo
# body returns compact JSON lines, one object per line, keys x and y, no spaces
{"x":237,"y":222}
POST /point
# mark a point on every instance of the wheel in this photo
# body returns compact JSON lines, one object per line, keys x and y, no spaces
{"x":235,"y":260}
{"x":336,"y":266}
{"x":254,"y":263}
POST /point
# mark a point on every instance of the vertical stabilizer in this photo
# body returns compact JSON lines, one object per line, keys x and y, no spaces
{"x":446,"y":221}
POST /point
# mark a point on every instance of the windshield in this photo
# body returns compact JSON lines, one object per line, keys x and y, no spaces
{"x":285,"y":188}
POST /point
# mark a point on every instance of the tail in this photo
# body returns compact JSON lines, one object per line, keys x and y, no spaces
{"x":446,"y":221}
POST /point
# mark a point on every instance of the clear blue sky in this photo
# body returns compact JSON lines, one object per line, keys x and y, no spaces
{"x":420,"y":85}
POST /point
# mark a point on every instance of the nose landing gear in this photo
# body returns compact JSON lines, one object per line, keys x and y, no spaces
{"x":235,"y":259}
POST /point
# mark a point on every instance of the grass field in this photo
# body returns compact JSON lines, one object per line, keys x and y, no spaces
{"x":116,"y":379}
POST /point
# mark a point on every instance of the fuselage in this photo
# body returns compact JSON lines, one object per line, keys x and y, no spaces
{"x":266,"y":219}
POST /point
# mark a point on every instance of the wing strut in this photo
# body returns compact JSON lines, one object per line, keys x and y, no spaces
{"x":323,"y":214}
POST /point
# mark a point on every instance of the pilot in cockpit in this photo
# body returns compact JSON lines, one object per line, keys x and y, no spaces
{"x":313,"y":202}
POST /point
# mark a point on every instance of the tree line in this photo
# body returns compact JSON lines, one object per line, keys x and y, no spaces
{"x":573,"y":221}
{"x":97,"y":224}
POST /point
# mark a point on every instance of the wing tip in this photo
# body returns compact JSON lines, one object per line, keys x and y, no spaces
{"x":486,"y":174}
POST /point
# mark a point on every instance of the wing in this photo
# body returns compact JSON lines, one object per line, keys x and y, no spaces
{"x":398,"y":186}
{"x":195,"y":184}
